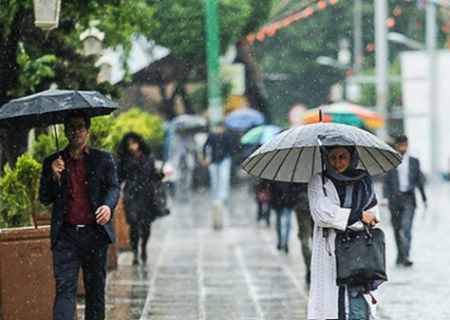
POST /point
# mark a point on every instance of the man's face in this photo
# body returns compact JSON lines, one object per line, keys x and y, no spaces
{"x":77,"y":132}
{"x":401,"y":147}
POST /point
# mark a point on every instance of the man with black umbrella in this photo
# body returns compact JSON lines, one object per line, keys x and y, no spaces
{"x":81,"y":183}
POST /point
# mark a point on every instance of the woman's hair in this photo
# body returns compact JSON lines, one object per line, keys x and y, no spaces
{"x":122,"y":150}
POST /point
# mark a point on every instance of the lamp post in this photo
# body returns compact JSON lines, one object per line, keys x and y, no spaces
{"x":46,"y":14}
{"x":381,"y":61}
{"x":212,"y":61}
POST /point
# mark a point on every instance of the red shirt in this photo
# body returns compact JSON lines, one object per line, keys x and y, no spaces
{"x":79,"y":207}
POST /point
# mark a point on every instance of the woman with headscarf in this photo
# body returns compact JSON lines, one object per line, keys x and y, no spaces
{"x":136,"y":170}
{"x":340,"y":197}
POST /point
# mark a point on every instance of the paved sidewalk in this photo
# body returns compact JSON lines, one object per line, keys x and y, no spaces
{"x":195,"y":272}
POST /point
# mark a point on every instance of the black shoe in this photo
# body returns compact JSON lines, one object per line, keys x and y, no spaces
{"x":279,"y":247}
{"x":407,"y":263}
{"x":286,"y":248}
{"x":144,"y":257}
{"x":135,"y":260}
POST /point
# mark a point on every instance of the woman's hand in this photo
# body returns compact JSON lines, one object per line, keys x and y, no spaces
{"x":369,"y":219}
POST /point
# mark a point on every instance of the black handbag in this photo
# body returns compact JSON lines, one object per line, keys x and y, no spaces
{"x":360,"y":256}
{"x":160,"y":201}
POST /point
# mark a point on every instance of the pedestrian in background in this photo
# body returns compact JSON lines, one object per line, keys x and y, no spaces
{"x":183,"y":158}
{"x":283,"y":199}
{"x":217,"y":153}
{"x":305,"y":225}
{"x":399,"y":187}
{"x":263,"y":197}
{"x":340,"y":197}
{"x":81,"y":183}
{"x":136,"y":170}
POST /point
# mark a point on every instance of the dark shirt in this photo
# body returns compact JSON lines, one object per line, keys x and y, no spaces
{"x":220,"y":146}
{"x":79,"y":207}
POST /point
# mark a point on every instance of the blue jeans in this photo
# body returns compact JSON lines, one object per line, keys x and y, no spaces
{"x":283,"y":213}
{"x":358,"y":308}
{"x":220,"y":173}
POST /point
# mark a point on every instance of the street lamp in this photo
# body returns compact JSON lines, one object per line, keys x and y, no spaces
{"x":92,"y":39}
{"x":46,"y":14}
{"x":345,"y":91}
{"x":402,"y":39}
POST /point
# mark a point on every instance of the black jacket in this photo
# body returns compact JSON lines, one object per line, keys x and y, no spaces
{"x":391,"y":185}
{"x":102,"y":183}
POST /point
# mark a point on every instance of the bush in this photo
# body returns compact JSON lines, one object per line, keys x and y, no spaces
{"x":151,"y":127}
{"x":45,"y":144}
{"x":19,"y":193}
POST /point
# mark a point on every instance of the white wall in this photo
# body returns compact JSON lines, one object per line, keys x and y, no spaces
{"x":416,"y":106}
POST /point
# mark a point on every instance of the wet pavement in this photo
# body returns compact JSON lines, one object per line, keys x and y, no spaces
{"x":196,"y":272}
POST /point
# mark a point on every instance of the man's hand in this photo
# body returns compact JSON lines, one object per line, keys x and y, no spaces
{"x":102,"y":215}
{"x":58,"y":167}
{"x":369,"y":219}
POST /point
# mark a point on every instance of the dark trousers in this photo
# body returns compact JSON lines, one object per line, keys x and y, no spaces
{"x":86,"y":248}
{"x":305,"y":231}
{"x":402,"y":215}
{"x":139,"y":230}
{"x":263,"y":211}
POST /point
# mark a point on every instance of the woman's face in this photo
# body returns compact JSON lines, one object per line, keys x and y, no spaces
{"x":133,"y":146}
{"x":339,"y":158}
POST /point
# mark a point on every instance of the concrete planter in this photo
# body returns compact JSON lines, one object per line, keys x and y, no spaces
{"x":27,"y":286}
{"x":44,"y":218}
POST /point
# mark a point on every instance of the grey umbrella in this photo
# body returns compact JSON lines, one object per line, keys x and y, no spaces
{"x":188,"y":122}
{"x":52,"y":106}
{"x":294,"y":155}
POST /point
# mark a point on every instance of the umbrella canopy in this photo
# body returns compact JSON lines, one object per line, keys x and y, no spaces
{"x":347,"y":113}
{"x":52,"y":106}
{"x":188,"y":122}
{"x":294,"y":155}
{"x":244,"y":119}
{"x":260,"y":135}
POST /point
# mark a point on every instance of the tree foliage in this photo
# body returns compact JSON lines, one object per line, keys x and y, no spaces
{"x":292,"y":52}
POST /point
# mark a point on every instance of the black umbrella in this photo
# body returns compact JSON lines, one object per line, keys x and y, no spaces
{"x":52,"y":106}
{"x":294,"y":155}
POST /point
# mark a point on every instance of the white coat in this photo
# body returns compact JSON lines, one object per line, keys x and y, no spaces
{"x":327,"y":213}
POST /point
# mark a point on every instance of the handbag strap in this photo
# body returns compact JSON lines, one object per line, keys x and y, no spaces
{"x":341,"y":303}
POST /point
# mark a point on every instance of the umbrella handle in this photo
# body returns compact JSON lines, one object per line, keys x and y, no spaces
{"x":321,"y":157}
{"x":56,"y":138}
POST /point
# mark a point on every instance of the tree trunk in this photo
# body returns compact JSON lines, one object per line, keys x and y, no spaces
{"x":255,"y":88}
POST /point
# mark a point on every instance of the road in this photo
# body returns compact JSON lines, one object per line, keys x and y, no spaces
{"x":196,"y":272}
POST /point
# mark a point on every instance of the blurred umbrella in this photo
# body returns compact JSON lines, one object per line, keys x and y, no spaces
{"x":52,"y":106}
{"x":346,"y":113}
{"x":244,"y":119}
{"x":294,"y":155}
{"x":188,"y":122}
{"x":260,"y":135}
